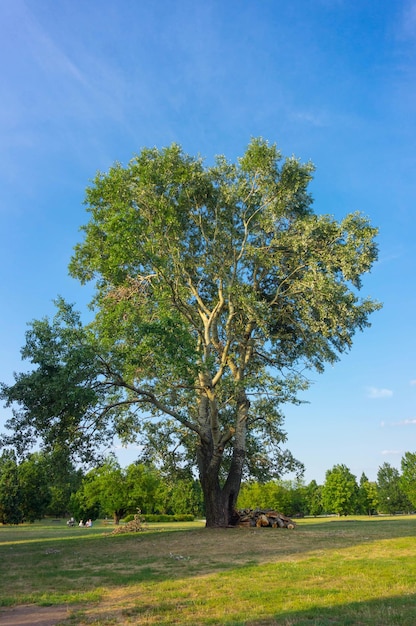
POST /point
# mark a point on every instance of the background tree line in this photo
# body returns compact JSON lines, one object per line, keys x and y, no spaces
{"x":49,"y":485}
{"x":45,"y":484}
{"x":341,"y":493}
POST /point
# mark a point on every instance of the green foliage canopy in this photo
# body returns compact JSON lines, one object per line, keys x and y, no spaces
{"x":216,"y":288}
{"x":392,"y":498}
{"x":368,"y":496}
{"x":340,"y":491}
{"x":408,"y":477}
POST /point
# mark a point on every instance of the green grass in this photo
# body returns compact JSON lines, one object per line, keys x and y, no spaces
{"x":325,"y":572}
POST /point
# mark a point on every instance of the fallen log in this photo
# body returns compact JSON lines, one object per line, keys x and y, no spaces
{"x":263,"y":518}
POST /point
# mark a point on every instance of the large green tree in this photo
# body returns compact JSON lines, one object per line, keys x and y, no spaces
{"x":340,"y":491}
{"x":216,"y":289}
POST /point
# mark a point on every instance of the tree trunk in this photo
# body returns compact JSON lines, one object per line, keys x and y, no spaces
{"x":216,"y":513}
{"x":209,"y":465}
{"x":220,"y":501}
{"x":117,"y":515}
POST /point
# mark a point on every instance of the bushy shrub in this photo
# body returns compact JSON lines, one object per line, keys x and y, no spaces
{"x":162,"y":517}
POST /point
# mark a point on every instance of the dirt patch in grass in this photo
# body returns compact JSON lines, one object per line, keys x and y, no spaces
{"x":33,"y":615}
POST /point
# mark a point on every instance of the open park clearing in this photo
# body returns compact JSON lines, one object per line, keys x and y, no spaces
{"x":343,"y":571}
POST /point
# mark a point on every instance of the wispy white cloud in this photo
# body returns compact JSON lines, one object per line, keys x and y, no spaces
{"x":87,"y":86}
{"x":49,"y":55}
{"x":388,"y":452}
{"x":61,"y":96}
{"x":318,"y":119}
{"x":376,"y":392}
{"x":406,"y":422}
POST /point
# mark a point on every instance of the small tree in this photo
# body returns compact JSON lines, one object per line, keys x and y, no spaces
{"x":144,"y":488}
{"x":252,"y":495}
{"x":367,"y":496}
{"x":185,"y":497}
{"x":10,"y":491}
{"x":34,"y":486}
{"x":64,"y":480}
{"x":105,"y":488}
{"x":391,"y":496}
{"x":408,"y":477}
{"x":340,"y":491}
{"x":299,"y":500}
{"x":314,"y":499}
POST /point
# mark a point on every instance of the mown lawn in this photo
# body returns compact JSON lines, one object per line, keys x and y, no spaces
{"x":325,"y":572}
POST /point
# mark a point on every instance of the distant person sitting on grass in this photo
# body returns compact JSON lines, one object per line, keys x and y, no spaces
{"x":89,"y":523}
{"x":81,"y":522}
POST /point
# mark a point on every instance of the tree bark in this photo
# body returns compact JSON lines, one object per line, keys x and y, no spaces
{"x":117,"y":515}
{"x":220,"y":501}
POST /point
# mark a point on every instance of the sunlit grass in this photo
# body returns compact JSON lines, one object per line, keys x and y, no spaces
{"x":341,"y":582}
{"x":327,"y":571}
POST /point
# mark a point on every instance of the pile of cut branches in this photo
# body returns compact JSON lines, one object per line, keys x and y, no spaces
{"x":134,"y":526}
{"x":264,"y":518}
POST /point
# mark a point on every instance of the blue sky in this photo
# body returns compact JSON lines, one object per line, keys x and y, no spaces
{"x":84,"y":84}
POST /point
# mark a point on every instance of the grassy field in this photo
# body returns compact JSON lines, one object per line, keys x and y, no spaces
{"x":348,"y":571}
